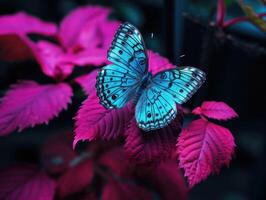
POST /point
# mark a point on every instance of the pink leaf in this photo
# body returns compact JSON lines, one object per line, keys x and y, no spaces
{"x":50,"y":58}
{"x":116,"y":160}
{"x":24,"y":23}
{"x":80,"y":21}
{"x":76,"y":179}
{"x":14,"y":44}
{"x":215,"y":110}
{"x":87,"y":81}
{"x":158,"y":63}
{"x":154,"y":146}
{"x":26,"y":183}
{"x":87,"y":34}
{"x":29,"y":103}
{"x":121,"y":191}
{"x":108,"y":36}
{"x":197,"y":111}
{"x":90,"y":56}
{"x":203,"y":148}
{"x":167,"y":180}
{"x":93,"y":120}
{"x":57,"y":152}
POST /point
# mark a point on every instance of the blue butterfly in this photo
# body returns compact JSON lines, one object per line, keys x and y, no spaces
{"x":128,"y":79}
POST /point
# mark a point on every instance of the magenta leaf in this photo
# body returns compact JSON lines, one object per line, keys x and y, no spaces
{"x":26,"y":183}
{"x":57,"y":153}
{"x":87,"y":81}
{"x":76,"y":178}
{"x":154,"y":146}
{"x":158,"y":63}
{"x":167,"y":176}
{"x":203,"y":148}
{"x":116,"y":160}
{"x":86,"y":34}
{"x":87,"y":28}
{"x":50,"y":57}
{"x":22,"y":23}
{"x":114,"y":190}
{"x":14,"y":43}
{"x":29,"y":103}
{"x":71,"y":27}
{"x":108,"y":30}
{"x":90,"y":56}
{"x":167,"y":180}
{"x":93,"y":120}
{"x":215,"y":110}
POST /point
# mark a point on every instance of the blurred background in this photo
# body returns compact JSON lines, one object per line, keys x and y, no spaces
{"x":234,"y":60}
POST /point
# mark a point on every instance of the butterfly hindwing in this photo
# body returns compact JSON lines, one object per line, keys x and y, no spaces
{"x":156,"y":106}
{"x":155,"y":109}
{"x":115,"y":86}
{"x":128,"y":49}
{"x":181,"y":83}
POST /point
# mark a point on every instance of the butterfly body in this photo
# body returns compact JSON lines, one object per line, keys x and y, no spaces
{"x":146,"y":80}
{"x":155,"y":97}
{"x":144,"y":84}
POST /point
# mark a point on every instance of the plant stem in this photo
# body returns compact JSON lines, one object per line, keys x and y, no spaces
{"x":240,"y":19}
{"x":252,"y":15}
{"x":221,"y":11}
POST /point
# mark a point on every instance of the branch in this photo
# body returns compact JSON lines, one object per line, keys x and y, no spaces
{"x":240,"y":19}
{"x":221,"y":11}
{"x":252,"y":15}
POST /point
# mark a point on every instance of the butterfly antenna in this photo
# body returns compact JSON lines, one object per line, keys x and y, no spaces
{"x":181,"y":56}
{"x":152,"y":36}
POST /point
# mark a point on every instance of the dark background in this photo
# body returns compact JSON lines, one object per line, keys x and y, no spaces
{"x":234,"y":60}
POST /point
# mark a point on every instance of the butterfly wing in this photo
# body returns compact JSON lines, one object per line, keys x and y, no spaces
{"x":180,"y":83}
{"x":156,"y":107}
{"x":128,"y":49}
{"x":115,"y":86}
{"x":117,"y":83}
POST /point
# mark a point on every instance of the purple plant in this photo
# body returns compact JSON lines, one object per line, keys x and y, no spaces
{"x":109,"y":170}
{"x":82,"y":40}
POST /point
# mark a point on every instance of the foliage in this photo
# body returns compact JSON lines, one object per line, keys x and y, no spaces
{"x":223,"y":9}
{"x":101,"y":169}
{"x":251,"y":15}
{"x":202,"y":142}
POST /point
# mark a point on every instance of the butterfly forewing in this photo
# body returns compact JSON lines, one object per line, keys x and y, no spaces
{"x":117,"y":83}
{"x":180,"y":83}
{"x":128,"y":49}
{"x":115,"y":86}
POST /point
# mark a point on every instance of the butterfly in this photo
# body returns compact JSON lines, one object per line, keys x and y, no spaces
{"x":127,"y":78}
